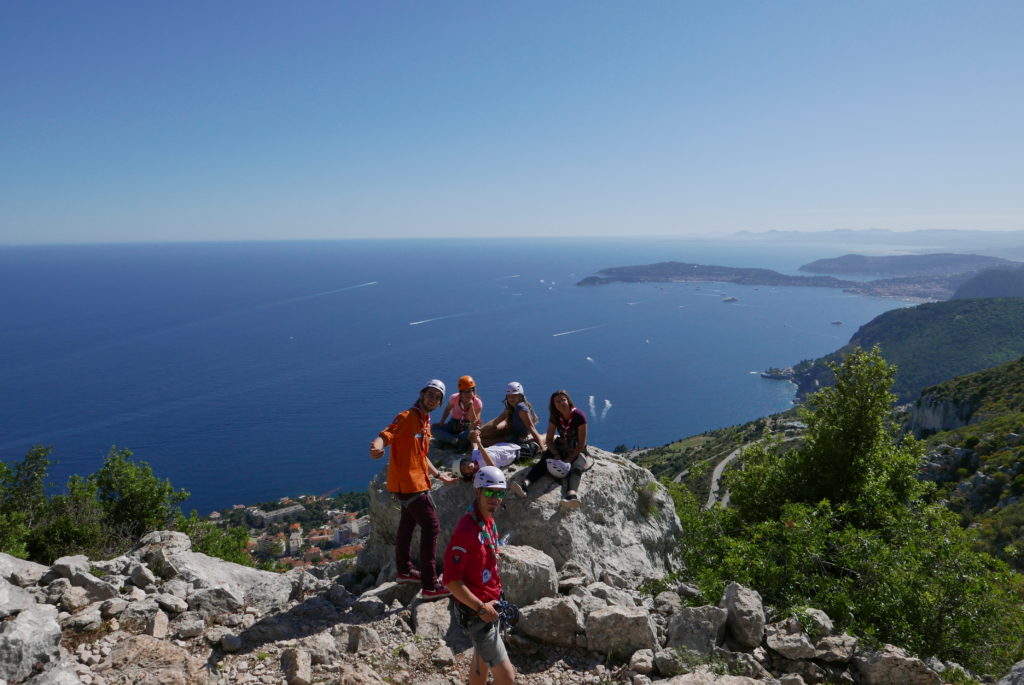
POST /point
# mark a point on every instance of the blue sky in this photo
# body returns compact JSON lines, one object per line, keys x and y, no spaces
{"x":153,"y":121}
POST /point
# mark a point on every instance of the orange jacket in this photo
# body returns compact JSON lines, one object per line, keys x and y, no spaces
{"x":409,"y":437}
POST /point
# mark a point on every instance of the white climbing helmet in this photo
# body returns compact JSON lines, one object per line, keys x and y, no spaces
{"x":558,"y":468}
{"x":437,"y":385}
{"x":490,"y":477}
{"x":514,"y":388}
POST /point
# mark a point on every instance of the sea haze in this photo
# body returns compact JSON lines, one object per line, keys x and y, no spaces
{"x":248,"y":371}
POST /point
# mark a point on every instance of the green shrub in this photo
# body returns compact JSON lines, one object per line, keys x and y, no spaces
{"x":229,"y":544}
{"x":840,"y":523}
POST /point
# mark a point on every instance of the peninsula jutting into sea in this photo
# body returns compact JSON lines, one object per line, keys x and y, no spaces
{"x":915,"y":277}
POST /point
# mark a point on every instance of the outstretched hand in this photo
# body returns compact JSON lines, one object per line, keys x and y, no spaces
{"x":445,"y":477}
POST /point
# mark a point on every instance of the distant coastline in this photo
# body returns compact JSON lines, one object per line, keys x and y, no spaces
{"x":933,"y":284}
{"x":929,"y":289}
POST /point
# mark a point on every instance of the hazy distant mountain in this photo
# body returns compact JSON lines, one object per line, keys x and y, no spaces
{"x":999,"y":243}
{"x":993,"y":283}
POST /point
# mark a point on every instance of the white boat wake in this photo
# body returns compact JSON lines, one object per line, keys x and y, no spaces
{"x":578,"y":330}
{"x":439,"y":318}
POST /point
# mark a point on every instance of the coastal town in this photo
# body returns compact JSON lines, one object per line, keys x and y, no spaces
{"x":303,"y":531}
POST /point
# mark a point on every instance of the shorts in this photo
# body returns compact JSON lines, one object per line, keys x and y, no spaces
{"x":487,"y":641}
{"x":485,"y":636}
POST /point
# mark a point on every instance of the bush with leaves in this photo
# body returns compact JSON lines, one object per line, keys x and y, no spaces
{"x":230,"y":544}
{"x":100,"y":515}
{"x":841,"y":523}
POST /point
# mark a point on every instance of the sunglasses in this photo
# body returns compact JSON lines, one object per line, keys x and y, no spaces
{"x":500,"y":494}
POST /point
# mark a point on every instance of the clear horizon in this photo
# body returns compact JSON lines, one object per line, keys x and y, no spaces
{"x":244,"y":121}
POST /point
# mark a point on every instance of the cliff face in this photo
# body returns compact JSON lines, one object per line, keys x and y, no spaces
{"x":932,"y":414}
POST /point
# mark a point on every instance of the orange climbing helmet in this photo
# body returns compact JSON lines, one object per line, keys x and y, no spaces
{"x":466,"y":383}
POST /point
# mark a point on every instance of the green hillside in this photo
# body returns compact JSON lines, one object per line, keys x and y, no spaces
{"x":993,"y":283}
{"x":987,"y":488}
{"x":931,"y":343}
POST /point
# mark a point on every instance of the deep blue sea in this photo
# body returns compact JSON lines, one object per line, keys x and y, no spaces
{"x":248,"y":371}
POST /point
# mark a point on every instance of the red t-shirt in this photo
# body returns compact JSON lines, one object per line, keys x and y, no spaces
{"x":473,"y":560}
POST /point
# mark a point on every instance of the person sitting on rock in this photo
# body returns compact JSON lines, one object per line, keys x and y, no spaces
{"x":517,"y":423}
{"x":569,"y":422}
{"x":465,"y":408}
{"x":409,"y":472}
{"x":471,"y":575}
{"x":556,"y":463}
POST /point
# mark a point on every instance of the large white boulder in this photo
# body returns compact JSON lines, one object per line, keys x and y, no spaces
{"x":626,"y":526}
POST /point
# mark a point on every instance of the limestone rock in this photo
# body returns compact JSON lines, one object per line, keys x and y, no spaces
{"x":137,"y":615}
{"x":32,"y":636}
{"x":668,"y":662}
{"x":61,"y":674}
{"x":620,"y":629}
{"x":697,"y":628}
{"x":13,"y":599}
{"x":157,"y":626}
{"x":893,"y":666}
{"x":390,"y":592}
{"x":432,"y":619}
{"x":642,"y":661}
{"x":171,"y":604}
{"x":527,"y":574}
{"x":741,"y":663}
{"x":668,"y":603}
{"x":788,"y":639}
{"x":145,"y":660}
{"x":554,"y":620}
{"x":68,"y":566}
{"x":371,"y":606}
{"x":1015,"y":676}
{"x":19,"y":571}
{"x":263,"y":590}
{"x":836,"y":648}
{"x":113,"y":607}
{"x":98,"y":589}
{"x":611,"y":595}
{"x":215,"y":601}
{"x":627,"y":525}
{"x":187,"y":625}
{"x":356,"y":639}
{"x":745,"y":622}
{"x":297,"y":666}
{"x":85,"y":620}
{"x":702,"y":676}
{"x":141,"y":576}
{"x":75,"y":599}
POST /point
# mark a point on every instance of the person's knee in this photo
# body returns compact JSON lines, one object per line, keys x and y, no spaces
{"x":504,"y":673}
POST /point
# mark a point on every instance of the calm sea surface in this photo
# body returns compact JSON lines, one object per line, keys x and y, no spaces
{"x":248,"y":371}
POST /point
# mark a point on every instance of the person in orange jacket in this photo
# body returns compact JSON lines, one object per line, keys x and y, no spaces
{"x":409,"y":472}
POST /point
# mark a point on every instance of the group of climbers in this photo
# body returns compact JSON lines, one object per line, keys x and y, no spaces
{"x":471,"y":560}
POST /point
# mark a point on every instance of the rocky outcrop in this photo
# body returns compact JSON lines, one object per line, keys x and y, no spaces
{"x":932,"y":414}
{"x":177,"y":616}
{"x":625,"y":530}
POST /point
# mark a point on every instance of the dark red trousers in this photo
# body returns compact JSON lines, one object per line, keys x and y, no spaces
{"x":418,"y":510}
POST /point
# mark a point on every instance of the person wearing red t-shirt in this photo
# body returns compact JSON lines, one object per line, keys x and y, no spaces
{"x":409,"y":472}
{"x":471,"y":574}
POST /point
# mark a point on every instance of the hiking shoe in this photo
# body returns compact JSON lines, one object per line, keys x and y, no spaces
{"x":517,"y":488}
{"x":439,"y":592}
{"x":413,"y":576}
{"x":571,"y":502}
